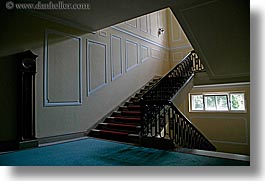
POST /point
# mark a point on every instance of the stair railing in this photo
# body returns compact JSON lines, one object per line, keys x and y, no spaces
{"x":164,"y":120}
{"x":197,"y":64}
{"x":159,"y":116}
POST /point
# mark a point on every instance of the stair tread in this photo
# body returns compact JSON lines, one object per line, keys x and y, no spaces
{"x":131,"y":106}
{"x":132,"y":103}
{"x":127,"y":113}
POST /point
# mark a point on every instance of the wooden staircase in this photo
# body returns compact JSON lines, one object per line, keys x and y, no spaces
{"x":124,"y":124}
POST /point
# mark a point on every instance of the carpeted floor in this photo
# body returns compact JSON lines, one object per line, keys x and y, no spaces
{"x":93,"y":152}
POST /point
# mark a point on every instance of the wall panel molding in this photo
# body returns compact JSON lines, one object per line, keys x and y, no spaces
{"x":143,"y":19}
{"x":102,"y":33}
{"x":172,"y":30}
{"x":228,"y":85}
{"x":148,"y":40}
{"x":177,"y":56}
{"x":128,"y":52}
{"x":227,"y":118}
{"x":228,"y":142}
{"x":48,"y":102}
{"x":90,"y":60}
{"x":113,"y":59}
{"x":156,"y":14}
{"x":132,"y":23}
{"x":184,"y":15}
{"x":155,"y":53}
{"x":181,"y":47}
{"x":143,"y":49}
{"x":139,"y":37}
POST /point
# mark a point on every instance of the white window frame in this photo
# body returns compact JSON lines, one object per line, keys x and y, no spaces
{"x":229,"y":103}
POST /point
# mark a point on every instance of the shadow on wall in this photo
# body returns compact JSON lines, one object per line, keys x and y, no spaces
{"x":21,"y":31}
{"x":8,"y":98}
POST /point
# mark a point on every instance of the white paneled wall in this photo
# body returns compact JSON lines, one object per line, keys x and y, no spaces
{"x":96,"y":65}
{"x":116,"y":56}
{"x":82,"y":78}
{"x":131,"y":54}
{"x":62,"y":69}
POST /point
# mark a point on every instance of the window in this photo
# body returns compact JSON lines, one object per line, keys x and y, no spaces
{"x":197,"y":102}
{"x":226,"y":101}
{"x":216,"y":102}
{"x":237,"y":101}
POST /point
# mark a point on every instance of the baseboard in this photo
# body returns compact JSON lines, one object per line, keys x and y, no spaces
{"x":6,"y":146}
{"x":61,"y":138}
{"x":14,"y":145}
{"x":28,"y":144}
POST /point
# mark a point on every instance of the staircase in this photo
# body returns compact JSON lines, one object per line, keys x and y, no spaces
{"x":124,"y":124}
{"x":152,"y":115}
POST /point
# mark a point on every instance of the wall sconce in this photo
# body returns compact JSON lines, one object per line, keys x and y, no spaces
{"x":161,"y":31}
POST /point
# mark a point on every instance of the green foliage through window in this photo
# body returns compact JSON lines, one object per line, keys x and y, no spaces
{"x":237,"y":101}
{"x":218,"y":102}
{"x":197,"y":102}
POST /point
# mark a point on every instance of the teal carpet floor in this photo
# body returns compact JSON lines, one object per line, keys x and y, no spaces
{"x":93,"y":152}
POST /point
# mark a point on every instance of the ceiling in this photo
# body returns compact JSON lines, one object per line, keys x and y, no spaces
{"x":103,"y":13}
{"x":219,"y":31}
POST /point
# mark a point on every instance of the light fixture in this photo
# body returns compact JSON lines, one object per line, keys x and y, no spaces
{"x":161,"y":31}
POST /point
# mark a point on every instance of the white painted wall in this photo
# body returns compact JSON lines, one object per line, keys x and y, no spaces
{"x":81,"y":78}
{"x":228,"y":131}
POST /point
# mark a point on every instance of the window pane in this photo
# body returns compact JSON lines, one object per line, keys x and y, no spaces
{"x":197,"y":102}
{"x":237,"y":101}
{"x":210,"y":103}
{"x":221,"y":103}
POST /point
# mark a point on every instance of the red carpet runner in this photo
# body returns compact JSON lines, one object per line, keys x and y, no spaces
{"x":125,"y":123}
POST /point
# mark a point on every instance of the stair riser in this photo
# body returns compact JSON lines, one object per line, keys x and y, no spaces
{"x":130,"y":122}
{"x":132,"y":103}
{"x":131,"y":115}
{"x":119,"y":128}
{"x":133,"y":99}
{"x":129,"y":109}
{"x":143,"y":91}
{"x":124,"y":124}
